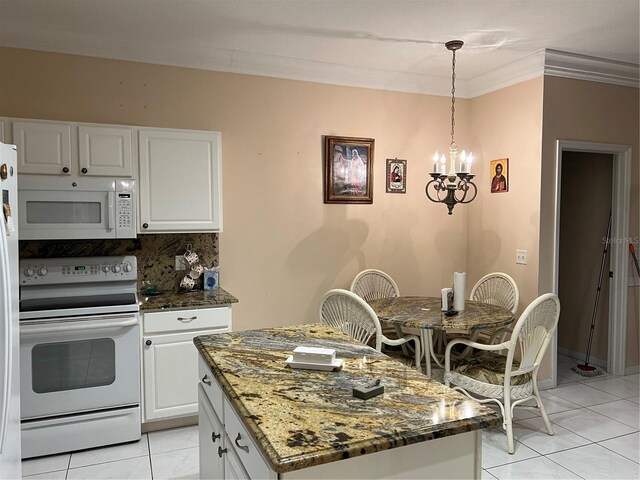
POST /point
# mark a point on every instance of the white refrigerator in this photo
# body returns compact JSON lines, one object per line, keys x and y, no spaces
{"x":10,"y":466}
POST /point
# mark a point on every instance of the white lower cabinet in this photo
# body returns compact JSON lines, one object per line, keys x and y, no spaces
{"x":233,"y":454}
{"x":170,"y":359}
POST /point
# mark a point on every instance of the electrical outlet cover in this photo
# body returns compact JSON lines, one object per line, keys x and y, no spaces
{"x":181,"y":262}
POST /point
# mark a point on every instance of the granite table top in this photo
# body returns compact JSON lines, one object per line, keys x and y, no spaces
{"x":303,"y":418}
{"x":175,"y":300}
{"x":425,"y":312}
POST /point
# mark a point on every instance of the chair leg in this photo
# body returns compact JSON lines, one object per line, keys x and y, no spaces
{"x":418,"y":354}
{"x":400,"y":334}
{"x":543,"y":412}
{"x":508,"y":424}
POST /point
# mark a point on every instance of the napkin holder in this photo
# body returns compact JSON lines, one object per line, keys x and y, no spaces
{"x":325,"y":356}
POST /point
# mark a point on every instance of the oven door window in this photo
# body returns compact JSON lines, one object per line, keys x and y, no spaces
{"x":56,"y":367}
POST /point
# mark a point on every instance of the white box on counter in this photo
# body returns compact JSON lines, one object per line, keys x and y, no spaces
{"x":314,"y":355}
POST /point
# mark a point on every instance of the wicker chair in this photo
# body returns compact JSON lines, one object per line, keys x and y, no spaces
{"x":497,"y":289}
{"x":347,"y":312}
{"x":502,"y":379}
{"x":372,"y":284}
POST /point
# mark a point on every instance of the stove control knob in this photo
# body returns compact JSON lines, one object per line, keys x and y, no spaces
{"x":127,"y":267}
{"x":42,"y":271}
{"x":29,"y":272}
{"x":106,"y":268}
{"x":117,"y":268}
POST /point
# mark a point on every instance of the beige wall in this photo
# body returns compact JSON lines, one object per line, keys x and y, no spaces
{"x":507,"y":124}
{"x":586,"y":202}
{"x":590,"y":112}
{"x":281,"y":248}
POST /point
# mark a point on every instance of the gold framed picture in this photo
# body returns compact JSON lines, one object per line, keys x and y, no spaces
{"x":499,"y":175}
{"x":348,"y":170}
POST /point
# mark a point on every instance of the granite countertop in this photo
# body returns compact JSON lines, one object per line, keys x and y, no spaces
{"x":198,"y":299}
{"x":302,"y":418}
{"x":426,"y":312}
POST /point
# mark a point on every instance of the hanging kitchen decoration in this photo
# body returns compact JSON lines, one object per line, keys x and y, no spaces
{"x":188,"y":282}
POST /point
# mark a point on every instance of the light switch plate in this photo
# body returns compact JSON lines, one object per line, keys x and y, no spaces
{"x":181,"y":262}
{"x":521,"y":257}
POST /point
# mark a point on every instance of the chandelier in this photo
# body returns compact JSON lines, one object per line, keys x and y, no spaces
{"x":455,"y":186}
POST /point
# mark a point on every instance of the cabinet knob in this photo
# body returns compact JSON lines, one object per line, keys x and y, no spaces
{"x":214,"y":435}
{"x":221,"y":451}
{"x":206,"y":380}
{"x":84,"y":170}
{"x":145,"y":225}
{"x":148,"y":342}
{"x":241,"y":447}
{"x":65,"y":170}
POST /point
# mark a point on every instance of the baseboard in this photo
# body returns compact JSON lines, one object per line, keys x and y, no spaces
{"x":169,"y":423}
{"x":546,"y":384}
{"x":579,"y":356}
{"x":632,"y":370}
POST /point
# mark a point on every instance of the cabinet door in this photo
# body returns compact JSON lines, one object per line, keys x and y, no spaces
{"x":170,"y":373}
{"x":180,"y":181}
{"x":233,"y":469}
{"x":104,"y":151}
{"x":43,"y":148}
{"x":212,"y":437}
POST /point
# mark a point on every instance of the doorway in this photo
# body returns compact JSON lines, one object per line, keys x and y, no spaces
{"x":618,"y":251}
{"x":585,"y":207}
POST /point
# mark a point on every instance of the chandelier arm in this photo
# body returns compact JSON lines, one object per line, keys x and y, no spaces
{"x":438,"y":187}
{"x":475,"y":192}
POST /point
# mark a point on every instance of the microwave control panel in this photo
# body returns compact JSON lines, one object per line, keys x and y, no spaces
{"x":125,"y":209}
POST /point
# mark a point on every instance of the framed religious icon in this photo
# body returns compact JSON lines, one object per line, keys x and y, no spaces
{"x":348,"y":176}
{"x":499,"y":175}
{"x":396,"y":176}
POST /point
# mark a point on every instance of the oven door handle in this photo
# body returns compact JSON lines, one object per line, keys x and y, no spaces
{"x":54,"y":327}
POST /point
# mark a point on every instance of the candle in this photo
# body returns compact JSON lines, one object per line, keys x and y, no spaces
{"x":443,"y":165}
{"x":435,"y":162}
{"x":463,"y":163}
{"x":469,"y":161}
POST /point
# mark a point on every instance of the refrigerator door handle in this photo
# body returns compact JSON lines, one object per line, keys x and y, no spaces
{"x":5,"y":293}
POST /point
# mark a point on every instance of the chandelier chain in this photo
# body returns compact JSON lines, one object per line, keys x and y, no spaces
{"x":453,"y":97}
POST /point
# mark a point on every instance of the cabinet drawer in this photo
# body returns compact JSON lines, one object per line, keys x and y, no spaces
{"x":244,"y":446}
{"x":218,"y":319}
{"x":211,"y":387}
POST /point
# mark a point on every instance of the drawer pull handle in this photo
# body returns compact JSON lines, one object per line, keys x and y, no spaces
{"x":221,"y":451}
{"x":214,"y":436}
{"x":206,"y":380}
{"x":187,"y":320}
{"x":241,"y":447}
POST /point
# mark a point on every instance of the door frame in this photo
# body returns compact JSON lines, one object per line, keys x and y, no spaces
{"x":619,"y":258}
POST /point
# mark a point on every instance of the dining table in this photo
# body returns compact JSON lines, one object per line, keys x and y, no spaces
{"x":426,"y":315}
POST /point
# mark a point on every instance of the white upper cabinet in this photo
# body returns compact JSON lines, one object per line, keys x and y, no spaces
{"x":43,"y":147}
{"x":67,"y":148}
{"x":104,"y":151}
{"x":180,"y":181}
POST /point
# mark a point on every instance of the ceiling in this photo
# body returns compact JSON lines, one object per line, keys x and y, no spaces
{"x":391,"y":44}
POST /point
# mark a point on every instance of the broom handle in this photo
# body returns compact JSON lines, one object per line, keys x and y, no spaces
{"x":595,"y":307}
{"x":635,"y":259}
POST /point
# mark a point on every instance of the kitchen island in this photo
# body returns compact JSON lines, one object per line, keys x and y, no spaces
{"x":261,"y":419}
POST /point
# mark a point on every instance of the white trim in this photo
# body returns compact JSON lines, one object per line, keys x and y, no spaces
{"x":579,"y":358}
{"x":583,"y":67}
{"x":527,"y":68}
{"x":533,"y":65}
{"x":619,"y":258}
{"x":632,"y":370}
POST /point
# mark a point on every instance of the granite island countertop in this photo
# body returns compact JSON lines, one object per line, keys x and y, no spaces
{"x":303,"y":418}
{"x":176,"y":300}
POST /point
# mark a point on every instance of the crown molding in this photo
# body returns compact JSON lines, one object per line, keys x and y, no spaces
{"x":543,"y":62}
{"x":583,"y":67}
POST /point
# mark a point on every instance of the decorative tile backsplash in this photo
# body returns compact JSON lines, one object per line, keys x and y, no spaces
{"x":155,"y":253}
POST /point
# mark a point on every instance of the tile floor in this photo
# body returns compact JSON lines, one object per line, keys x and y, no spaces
{"x":596,"y":423}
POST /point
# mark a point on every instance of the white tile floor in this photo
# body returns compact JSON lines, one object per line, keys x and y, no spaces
{"x":596,"y":424}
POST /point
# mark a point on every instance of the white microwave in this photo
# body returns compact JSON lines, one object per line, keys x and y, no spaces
{"x":59,"y":208}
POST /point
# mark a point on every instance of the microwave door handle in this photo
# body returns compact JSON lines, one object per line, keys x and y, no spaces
{"x":111,"y":216}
